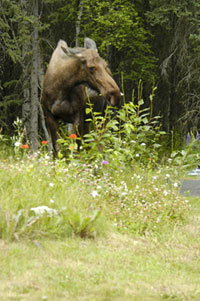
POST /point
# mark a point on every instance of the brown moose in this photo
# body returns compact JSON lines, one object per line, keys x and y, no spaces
{"x":64,"y":96}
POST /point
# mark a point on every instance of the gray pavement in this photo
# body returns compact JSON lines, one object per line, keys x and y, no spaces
{"x":190,"y":187}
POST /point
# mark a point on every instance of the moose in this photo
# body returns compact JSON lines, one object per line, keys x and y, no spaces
{"x":64,"y":95}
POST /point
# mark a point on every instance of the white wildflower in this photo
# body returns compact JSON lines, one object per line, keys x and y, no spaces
{"x":165,"y":192}
{"x":124,"y":193}
{"x":51,"y":184}
{"x":41,"y":210}
{"x":94,"y":194}
{"x":175,"y":184}
{"x":17,"y":143}
{"x":167,"y":175}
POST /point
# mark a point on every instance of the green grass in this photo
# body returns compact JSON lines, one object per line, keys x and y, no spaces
{"x":115,"y":267}
{"x":125,"y":235}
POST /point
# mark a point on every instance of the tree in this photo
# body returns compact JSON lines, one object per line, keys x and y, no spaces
{"x":122,"y":38}
{"x":175,"y":25}
{"x":14,"y":35}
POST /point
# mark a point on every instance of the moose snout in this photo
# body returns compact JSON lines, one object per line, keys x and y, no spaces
{"x":114,"y":97}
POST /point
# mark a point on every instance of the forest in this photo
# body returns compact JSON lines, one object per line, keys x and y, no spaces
{"x":155,"y":42}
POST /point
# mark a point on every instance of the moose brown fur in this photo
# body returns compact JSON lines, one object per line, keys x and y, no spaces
{"x":64,"y":96}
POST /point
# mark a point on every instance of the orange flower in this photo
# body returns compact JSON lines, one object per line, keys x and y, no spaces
{"x":72,"y":136}
{"x":72,"y":147}
{"x":44,"y":142}
{"x":25,"y":146}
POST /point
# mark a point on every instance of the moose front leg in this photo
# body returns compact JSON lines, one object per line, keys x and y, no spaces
{"x":53,"y":129}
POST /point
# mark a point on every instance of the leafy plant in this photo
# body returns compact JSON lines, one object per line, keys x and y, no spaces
{"x":131,"y":135}
{"x":83,"y":225}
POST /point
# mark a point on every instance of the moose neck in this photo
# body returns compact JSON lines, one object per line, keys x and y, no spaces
{"x":73,"y":74}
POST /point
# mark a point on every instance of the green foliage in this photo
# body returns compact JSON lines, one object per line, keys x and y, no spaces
{"x":187,"y":158}
{"x":145,"y":203}
{"x":46,"y":207}
{"x":175,"y":25}
{"x":117,"y":25}
{"x":132,"y":135}
{"x":71,"y":199}
{"x":81,"y":225}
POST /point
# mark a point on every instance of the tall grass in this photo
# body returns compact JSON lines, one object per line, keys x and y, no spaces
{"x":42,"y":198}
{"x":115,"y":182}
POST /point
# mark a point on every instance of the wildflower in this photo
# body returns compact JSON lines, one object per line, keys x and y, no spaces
{"x":17,"y":143}
{"x":124,"y":193}
{"x":25,"y":146}
{"x":51,"y":201}
{"x":72,"y":147}
{"x":94,"y":193}
{"x":167,"y":175}
{"x":137,"y":155}
{"x":51,"y":184}
{"x":44,"y":142}
{"x":72,"y":136}
{"x":188,"y":138}
{"x":175,"y":184}
{"x":104,"y":162}
{"x":165,"y":192}
{"x":40,"y":210}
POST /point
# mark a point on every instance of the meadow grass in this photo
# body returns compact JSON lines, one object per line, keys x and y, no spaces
{"x":102,"y":235}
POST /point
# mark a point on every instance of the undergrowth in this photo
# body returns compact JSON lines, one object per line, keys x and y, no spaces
{"x":116,"y":181}
{"x":40,"y":198}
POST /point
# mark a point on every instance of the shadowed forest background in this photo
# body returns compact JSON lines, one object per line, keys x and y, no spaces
{"x":157,"y":42}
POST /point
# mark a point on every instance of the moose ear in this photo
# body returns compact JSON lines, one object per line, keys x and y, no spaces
{"x":89,"y":43}
{"x":63,"y":48}
{"x":76,"y":50}
{"x":71,"y":52}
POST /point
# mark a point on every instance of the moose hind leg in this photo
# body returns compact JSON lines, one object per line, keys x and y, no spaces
{"x":53,"y":129}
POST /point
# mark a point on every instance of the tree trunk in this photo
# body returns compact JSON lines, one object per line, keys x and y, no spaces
{"x":26,"y":106}
{"x":26,"y":109}
{"x":34,"y":82}
{"x":41,"y":113}
{"x":78,"y":23}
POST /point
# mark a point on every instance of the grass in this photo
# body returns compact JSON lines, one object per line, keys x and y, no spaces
{"x":144,"y":244}
{"x":115,"y":267}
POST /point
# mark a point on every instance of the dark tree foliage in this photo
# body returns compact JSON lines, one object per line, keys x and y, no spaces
{"x":175,"y":27}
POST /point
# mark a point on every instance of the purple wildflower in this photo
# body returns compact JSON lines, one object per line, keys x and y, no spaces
{"x":104,"y":162}
{"x":188,"y":138}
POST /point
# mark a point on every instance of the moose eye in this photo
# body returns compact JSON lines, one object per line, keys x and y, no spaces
{"x":92,"y":69}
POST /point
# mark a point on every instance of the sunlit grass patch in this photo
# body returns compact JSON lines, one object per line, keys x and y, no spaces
{"x":40,"y":197}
